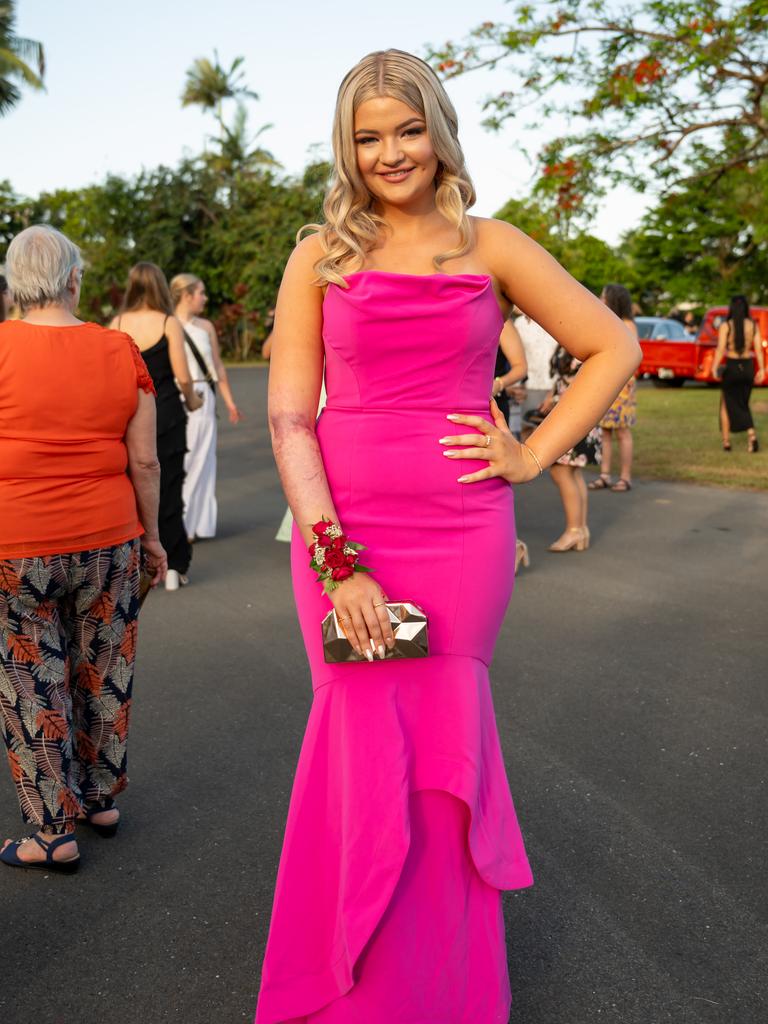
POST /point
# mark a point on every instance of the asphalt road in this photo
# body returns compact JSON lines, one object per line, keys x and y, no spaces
{"x":630,"y":687}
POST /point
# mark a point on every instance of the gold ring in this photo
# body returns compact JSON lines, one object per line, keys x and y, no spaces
{"x":345,"y":618}
{"x":488,"y":440}
{"x":382,"y":604}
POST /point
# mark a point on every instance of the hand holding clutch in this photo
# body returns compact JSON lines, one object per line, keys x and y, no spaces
{"x":409,"y":625}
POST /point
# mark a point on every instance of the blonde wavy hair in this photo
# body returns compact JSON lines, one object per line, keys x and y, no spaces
{"x":351,"y":227}
{"x":183,"y":283}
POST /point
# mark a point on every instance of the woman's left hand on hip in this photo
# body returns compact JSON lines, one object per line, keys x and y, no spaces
{"x":495,"y":444}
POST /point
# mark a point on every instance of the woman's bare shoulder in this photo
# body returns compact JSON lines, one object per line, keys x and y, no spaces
{"x":492,"y":232}
{"x":497,"y":242}
{"x":207,"y":325}
{"x":307,"y":252}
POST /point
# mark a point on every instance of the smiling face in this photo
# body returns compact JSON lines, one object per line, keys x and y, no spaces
{"x":394,"y":151}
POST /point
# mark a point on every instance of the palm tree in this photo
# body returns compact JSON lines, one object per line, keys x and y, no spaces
{"x":208,"y":84}
{"x":18,"y":59}
{"x":235,"y":146}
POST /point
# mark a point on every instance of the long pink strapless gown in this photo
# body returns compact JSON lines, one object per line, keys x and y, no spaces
{"x":401,"y":829}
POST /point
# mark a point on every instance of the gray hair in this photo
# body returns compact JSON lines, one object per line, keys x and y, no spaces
{"x":38,"y":265}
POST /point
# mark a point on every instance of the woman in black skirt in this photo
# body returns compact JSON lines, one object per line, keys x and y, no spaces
{"x":738,"y":344}
{"x":147,"y":316}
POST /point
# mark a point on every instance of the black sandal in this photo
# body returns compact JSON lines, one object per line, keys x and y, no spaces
{"x":10,"y":855}
{"x":105,"y":831}
{"x":602,"y":483}
{"x":621,"y":486}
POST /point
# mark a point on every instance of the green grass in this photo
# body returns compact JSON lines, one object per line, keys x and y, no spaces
{"x":678,"y":438}
{"x":234,"y":363}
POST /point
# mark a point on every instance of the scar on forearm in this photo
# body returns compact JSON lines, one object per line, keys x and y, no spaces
{"x":282,"y":423}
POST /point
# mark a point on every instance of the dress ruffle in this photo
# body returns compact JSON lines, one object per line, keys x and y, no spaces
{"x":374,"y":737}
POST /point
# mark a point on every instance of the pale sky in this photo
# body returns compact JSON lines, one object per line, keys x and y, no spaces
{"x":115,"y":71}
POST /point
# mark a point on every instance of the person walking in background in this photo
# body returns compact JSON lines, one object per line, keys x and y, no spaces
{"x":508,"y":393}
{"x":208,"y":372}
{"x":567,"y":472}
{"x":539,"y":347}
{"x":147,"y":316}
{"x":622,"y":416}
{"x":79,"y":487}
{"x":738,"y":343}
{"x":510,"y":370}
{"x":5,"y":299}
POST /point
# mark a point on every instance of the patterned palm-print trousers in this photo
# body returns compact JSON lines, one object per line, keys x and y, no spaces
{"x":67,"y":650}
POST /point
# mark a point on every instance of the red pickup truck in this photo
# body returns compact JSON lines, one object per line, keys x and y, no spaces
{"x":671,"y":357}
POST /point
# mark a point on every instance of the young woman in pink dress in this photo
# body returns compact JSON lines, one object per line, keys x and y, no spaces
{"x":401,"y":831}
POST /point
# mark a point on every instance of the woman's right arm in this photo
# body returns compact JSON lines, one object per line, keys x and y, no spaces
{"x":178,"y":356}
{"x":757,"y":345}
{"x":144,"y":474}
{"x":722,"y":340}
{"x":295,"y":379}
{"x":511,"y":344}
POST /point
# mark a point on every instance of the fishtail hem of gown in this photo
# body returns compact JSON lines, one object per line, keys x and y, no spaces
{"x":354,"y":876}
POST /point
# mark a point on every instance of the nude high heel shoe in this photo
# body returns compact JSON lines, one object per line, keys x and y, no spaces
{"x":575,"y":538}
{"x":521,"y":555}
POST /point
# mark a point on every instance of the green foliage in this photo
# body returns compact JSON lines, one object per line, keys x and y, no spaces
{"x":227,"y":216}
{"x":700,"y":243}
{"x":236,"y":233}
{"x":589,"y":259}
{"x":22,"y":61}
{"x":639,"y":83}
{"x":704,"y":244}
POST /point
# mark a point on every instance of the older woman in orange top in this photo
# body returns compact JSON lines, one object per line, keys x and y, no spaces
{"x":79,"y":484}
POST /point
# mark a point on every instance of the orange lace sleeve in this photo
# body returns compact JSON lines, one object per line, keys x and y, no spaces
{"x":143,"y":378}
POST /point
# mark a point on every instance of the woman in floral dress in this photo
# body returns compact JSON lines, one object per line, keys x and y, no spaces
{"x":567,"y":473}
{"x":622,"y":416}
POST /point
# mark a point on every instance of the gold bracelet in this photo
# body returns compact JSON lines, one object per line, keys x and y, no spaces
{"x":535,"y":457}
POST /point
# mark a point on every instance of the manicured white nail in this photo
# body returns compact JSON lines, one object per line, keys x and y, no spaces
{"x":369,"y":654}
{"x":462,"y":479}
{"x":452,"y":416}
{"x":446,"y":440}
{"x":382,"y":652}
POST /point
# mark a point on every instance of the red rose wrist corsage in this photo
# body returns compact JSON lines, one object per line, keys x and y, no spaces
{"x":334,"y":556}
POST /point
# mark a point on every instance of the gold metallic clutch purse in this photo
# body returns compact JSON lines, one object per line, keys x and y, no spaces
{"x":409,"y":624}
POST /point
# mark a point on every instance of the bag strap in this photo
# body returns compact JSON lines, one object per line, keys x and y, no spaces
{"x":204,"y":369}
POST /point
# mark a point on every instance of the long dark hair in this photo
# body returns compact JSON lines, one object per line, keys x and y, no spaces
{"x":148,"y":287}
{"x":618,"y":300}
{"x":738,"y":312}
{"x":3,"y":290}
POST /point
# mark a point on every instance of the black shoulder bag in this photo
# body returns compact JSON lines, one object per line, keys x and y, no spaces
{"x":207,"y":377}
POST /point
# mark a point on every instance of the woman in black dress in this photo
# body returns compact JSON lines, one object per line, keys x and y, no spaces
{"x":147,"y":315}
{"x":738,"y":341}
